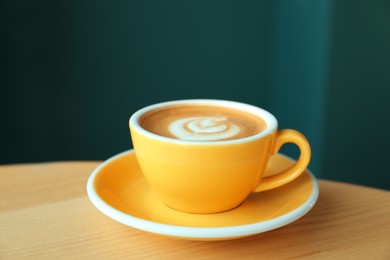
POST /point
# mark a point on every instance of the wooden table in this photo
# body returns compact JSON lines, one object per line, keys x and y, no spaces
{"x":46,"y":214}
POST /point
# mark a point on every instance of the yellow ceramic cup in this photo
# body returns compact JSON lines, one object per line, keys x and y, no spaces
{"x":216,"y":176}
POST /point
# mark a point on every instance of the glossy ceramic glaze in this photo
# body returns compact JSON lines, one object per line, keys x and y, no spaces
{"x":211,"y":177}
{"x":118,"y":189}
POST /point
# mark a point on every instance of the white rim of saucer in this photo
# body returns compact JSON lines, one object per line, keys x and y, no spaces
{"x":197,"y":232}
{"x":272,"y":123}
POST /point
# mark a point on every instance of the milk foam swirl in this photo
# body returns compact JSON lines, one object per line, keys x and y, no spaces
{"x":203,"y":128}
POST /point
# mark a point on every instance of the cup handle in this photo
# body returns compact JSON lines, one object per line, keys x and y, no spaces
{"x":279,"y":179}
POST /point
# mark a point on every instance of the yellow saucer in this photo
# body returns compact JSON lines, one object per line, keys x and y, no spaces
{"x":118,"y":189}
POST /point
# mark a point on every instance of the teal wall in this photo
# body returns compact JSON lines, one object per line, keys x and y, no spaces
{"x":74,"y":71}
{"x":357,"y":121}
{"x":300,"y":70}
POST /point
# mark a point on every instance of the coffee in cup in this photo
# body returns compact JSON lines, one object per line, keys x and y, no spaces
{"x":207,"y":156}
{"x":201,"y":123}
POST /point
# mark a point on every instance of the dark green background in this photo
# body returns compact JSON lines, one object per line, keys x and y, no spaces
{"x":74,"y":71}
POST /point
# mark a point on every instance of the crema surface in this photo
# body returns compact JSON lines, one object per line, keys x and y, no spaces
{"x":202,"y":123}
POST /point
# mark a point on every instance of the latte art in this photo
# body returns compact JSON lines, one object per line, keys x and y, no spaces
{"x":203,"y":128}
{"x":201,"y":123}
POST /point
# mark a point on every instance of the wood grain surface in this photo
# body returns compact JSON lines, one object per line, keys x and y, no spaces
{"x":46,"y":214}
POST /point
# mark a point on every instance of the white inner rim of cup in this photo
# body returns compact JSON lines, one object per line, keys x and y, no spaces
{"x":270,"y":120}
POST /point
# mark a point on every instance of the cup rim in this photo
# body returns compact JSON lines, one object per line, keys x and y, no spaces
{"x":271,"y":121}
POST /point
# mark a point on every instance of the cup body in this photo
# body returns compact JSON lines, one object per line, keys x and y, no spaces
{"x":203,"y":177}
